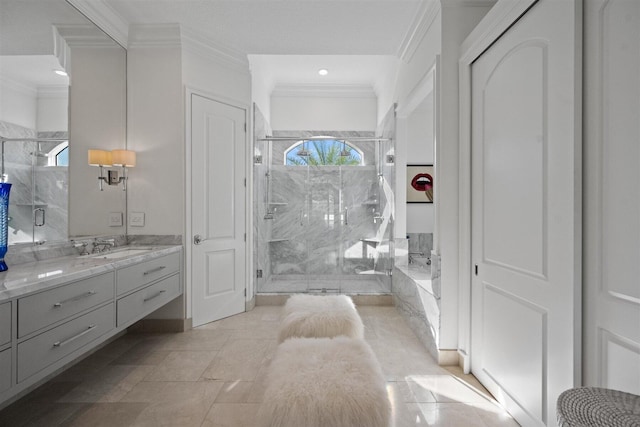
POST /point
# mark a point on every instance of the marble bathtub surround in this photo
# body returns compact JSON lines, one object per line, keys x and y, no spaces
{"x":420,"y":243}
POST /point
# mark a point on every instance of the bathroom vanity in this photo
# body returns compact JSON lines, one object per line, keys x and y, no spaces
{"x":53,"y":312}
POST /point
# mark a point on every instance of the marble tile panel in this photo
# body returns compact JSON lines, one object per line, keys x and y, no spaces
{"x":238,"y":360}
{"x":108,"y":385}
{"x":106,"y":415}
{"x":232,"y":415}
{"x":182,"y":404}
{"x":181,"y":366}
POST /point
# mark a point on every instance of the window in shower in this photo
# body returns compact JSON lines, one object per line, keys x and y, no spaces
{"x":323,"y":152}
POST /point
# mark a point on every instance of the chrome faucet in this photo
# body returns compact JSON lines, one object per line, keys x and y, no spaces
{"x":105,"y":243}
{"x":412,"y":254}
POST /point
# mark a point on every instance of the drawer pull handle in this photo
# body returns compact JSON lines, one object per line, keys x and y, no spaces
{"x":75,"y":337}
{"x":153,"y":270}
{"x":73,"y":299}
{"x":154,"y":296}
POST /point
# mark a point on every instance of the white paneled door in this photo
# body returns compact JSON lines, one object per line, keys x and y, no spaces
{"x":525,"y":344}
{"x":218,"y":247}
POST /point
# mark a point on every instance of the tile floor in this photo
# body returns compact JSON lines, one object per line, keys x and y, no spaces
{"x":213,"y":376}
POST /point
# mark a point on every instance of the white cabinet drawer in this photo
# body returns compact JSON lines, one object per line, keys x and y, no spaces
{"x":45,"y":308}
{"x":140,"y":303}
{"x":41,"y":351}
{"x":5,"y":370}
{"x":5,"y":323}
{"x":138,"y":275}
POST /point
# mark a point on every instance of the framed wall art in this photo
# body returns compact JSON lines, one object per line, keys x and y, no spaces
{"x":420,"y":183}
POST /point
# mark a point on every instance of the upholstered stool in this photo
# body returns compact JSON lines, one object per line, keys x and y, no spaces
{"x":325,"y":382}
{"x":314,"y":316}
{"x":593,"y":406}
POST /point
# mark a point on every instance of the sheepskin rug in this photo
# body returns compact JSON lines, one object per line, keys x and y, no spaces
{"x":325,"y":382}
{"x":328,"y":316}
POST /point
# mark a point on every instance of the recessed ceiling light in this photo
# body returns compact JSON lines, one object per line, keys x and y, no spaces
{"x":60,"y":72}
{"x":323,"y":71}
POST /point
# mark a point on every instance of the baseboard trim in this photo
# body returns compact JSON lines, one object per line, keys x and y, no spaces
{"x":448,"y":358}
{"x":161,"y":325}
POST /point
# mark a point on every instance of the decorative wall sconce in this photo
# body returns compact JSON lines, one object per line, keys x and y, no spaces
{"x":123,"y":158}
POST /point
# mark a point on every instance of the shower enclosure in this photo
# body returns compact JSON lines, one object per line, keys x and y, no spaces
{"x":37,"y":168}
{"x":322,"y":212}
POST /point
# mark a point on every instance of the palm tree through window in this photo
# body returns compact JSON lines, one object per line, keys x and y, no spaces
{"x":323,"y":152}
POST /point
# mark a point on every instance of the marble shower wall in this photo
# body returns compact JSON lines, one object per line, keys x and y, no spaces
{"x":34,"y":185}
{"x":299,"y":217}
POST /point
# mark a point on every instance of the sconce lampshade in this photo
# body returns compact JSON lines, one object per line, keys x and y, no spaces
{"x":99,"y":158}
{"x":124,"y":158}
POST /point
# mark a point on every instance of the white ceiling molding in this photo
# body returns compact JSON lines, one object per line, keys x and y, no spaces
{"x":468,"y":3}
{"x":324,"y":91}
{"x":154,"y":35}
{"x":53,"y":92}
{"x":105,"y":17}
{"x":423,"y":20}
{"x":207,"y":48}
{"x":82,"y":35}
{"x":61,"y":50}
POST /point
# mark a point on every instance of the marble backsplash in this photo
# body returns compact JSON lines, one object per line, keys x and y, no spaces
{"x":28,"y":252}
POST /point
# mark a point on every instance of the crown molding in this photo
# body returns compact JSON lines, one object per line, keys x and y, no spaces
{"x":154,"y":35}
{"x":468,"y":3}
{"x":53,"y":91}
{"x":81,"y":35}
{"x":209,"y":49}
{"x":105,"y":17}
{"x":427,"y":13}
{"x":324,"y":91}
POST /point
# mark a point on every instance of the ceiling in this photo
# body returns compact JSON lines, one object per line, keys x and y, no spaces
{"x":288,"y":41}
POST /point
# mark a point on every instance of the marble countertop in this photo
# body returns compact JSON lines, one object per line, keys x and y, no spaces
{"x":24,"y":279}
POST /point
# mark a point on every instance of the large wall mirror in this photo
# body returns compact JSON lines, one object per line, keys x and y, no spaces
{"x":62,"y":91}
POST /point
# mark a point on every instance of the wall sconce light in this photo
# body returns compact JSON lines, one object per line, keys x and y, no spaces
{"x":123,"y":158}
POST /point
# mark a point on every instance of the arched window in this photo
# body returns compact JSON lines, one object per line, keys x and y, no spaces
{"x":323,"y":152}
{"x":59,"y":155}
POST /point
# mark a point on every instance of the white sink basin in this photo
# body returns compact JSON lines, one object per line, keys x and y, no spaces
{"x":121,"y":253}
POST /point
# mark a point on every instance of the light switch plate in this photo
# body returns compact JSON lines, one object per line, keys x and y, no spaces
{"x":136,"y":219}
{"x":115,"y":219}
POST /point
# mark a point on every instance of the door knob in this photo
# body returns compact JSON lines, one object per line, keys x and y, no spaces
{"x":197,"y":239}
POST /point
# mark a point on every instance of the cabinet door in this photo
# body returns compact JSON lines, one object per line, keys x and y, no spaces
{"x":46,"y":308}
{"x":5,"y":370}
{"x":37,"y":353}
{"x":138,"y":275}
{"x":5,"y":323}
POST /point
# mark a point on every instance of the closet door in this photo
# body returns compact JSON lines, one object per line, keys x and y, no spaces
{"x":611,"y":196}
{"x":526,"y":212}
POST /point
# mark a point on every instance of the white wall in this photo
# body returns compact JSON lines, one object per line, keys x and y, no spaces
{"x":419,"y":137}
{"x":446,"y":28}
{"x":97,"y":99}
{"x":18,"y":104}
{"x":357,"y":112}
{"x":53,"y":109}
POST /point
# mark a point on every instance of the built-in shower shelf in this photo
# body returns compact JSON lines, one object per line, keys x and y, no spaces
{"x":372,"y":241}
{"x":277,"y":240}
{"x":278,"y":203}
{"x":35,"y":204}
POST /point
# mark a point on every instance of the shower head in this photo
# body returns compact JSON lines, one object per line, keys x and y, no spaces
{"x":344,"y":152}
{"x":302,"y":153}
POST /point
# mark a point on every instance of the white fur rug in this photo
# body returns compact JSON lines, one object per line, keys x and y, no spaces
{"x":314,"y":316}
{"x":325,"y":382}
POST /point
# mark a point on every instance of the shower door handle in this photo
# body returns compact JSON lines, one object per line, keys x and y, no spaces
{"x":346,"y":216}
{"x":35,"y":217}
{"x":302,"y":217}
